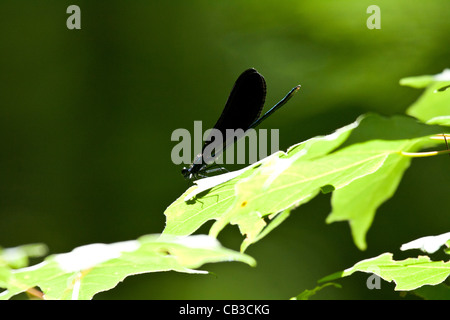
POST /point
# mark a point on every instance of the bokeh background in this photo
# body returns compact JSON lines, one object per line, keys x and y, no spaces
{"x":86,"y":118}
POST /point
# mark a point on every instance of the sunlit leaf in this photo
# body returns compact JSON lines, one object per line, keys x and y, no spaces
{"x":361,"y":164}
{"x":434,"y":103}
{"x":90,"y":269}
{"x":408,"y":274}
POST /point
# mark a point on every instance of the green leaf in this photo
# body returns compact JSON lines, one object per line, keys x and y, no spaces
{"x":440,"y":120}
{"x":5,"y":276}
{"x":425,"y":80}
{"x":357,"y":203}
{"x":365,"y":155}
{"x":262,"y":189}
{"x":408,"y":274}
{"x":90,"y":269}
{"x":434,"y":103}
{"x":418,"y":82}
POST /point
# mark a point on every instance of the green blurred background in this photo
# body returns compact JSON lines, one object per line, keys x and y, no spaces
{"x":86,"y":118}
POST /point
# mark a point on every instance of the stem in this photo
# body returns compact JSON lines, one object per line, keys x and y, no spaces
{"x":424,"y":154}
